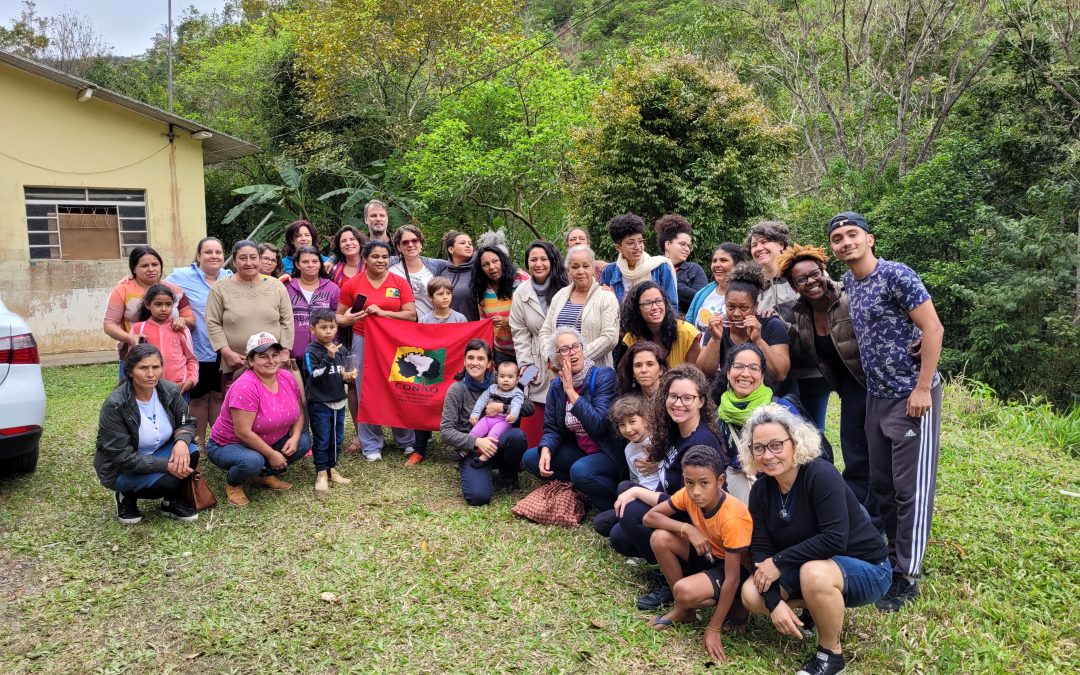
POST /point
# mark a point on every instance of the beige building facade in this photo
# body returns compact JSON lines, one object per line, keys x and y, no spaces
{"x":85,"y":175}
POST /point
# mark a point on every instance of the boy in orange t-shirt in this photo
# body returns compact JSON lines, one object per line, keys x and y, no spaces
{"x":706,"y":560}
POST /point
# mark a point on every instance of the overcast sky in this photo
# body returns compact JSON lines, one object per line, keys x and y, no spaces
{"x":128,"y":25}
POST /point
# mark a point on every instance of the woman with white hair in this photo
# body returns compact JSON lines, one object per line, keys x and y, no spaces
{"x":813,"y":545}
{"x":579,"y":445}
{"x":586,"y":307}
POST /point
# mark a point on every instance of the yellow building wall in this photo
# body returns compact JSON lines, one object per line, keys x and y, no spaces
{"x":48,"y":138}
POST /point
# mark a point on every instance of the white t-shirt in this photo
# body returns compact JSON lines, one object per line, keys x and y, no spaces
{"x":155,"y":427}
{"x":713,"y":304}
{"x":637,"y":451}
{"x":418,"y":281}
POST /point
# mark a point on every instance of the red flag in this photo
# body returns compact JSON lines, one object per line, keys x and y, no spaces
{"x":409,"y":366}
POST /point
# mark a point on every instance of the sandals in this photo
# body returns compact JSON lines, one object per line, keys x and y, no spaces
{"x":662,"y":622}
{"x":354,"y":447}
{"x":733,"y":625}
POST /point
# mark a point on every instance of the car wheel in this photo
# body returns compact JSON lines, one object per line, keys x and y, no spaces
{"x":21,"y":464}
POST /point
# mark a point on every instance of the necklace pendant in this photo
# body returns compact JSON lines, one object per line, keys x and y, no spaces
{"x":784,"y":513}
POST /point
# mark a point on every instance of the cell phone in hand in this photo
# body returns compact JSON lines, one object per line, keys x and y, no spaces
{"x":359,"y":302}
{"x":529,"y":374}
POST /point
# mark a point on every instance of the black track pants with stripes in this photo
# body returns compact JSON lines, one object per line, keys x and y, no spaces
{"x":903,"y":474}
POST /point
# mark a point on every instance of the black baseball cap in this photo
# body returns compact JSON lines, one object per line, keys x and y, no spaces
{"x":847,"y":218}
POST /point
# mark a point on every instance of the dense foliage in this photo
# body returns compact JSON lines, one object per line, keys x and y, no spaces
{"x":954,"y":125}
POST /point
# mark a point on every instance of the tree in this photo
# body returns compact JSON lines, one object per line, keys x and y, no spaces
{"x":673,"y":135}
{"x":873,"y":81}
{"x":27,"y":34}
{"x":74,"y":43}
{"x":502,"y":144}
{"x":393,"y":56}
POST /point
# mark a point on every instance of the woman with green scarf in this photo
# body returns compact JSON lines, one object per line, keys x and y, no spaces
{"x":744,"y":371}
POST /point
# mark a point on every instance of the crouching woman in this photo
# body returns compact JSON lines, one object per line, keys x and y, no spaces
{"x":813,"y":545}
{"x":261,"y":429}
{"x":146,"y":441}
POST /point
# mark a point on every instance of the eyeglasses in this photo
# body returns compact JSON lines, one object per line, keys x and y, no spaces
{"x":569,"y":349}
{"x":651,"y":303}
{"x":636,"y":242}
{"x":410,"y":242}
{"x":682,"y":399}
{"x":684,"y":244}
{"x":774,"y":447}
{"x":813,"y":276}
{"x":752,"y":368}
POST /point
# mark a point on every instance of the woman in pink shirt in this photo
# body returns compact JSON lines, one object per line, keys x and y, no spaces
{"x":261,"y":429}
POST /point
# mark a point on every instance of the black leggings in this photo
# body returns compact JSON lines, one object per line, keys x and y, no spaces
{"x":630,"y":536}
{"x":167,"y":487}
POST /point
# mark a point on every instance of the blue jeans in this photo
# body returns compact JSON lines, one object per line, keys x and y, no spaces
{"x":814,"y":394}
{"x":371,"y":435}
{"x":863,"y":582}
{"x":241,"y":463}
{"x":133,"y":482}
{"x":595,"y":475}
{"x":476,"y":484}
{"x":327,"y":434}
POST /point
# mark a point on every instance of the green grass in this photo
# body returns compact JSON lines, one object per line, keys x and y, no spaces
{"x":424,"y":583}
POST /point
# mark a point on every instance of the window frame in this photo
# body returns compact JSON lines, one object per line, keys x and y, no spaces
{"x":134,"y":200}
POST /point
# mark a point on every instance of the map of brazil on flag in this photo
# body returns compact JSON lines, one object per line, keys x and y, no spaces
{"x":409,"y":366}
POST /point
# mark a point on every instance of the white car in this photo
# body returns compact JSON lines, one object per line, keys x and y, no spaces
{"x":22,"y":395}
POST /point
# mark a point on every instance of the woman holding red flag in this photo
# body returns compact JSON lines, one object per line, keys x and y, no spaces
{"x":375,"y":292}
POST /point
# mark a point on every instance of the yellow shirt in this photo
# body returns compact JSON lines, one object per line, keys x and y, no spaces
{"x":684,"y":340}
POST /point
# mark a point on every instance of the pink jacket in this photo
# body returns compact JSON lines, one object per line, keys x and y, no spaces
{"x":175,"y":347}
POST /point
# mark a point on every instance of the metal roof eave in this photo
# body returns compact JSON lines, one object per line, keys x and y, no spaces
{"x":219,"y":147}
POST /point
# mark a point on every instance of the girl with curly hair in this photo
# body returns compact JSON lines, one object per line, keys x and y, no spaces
{"x":647,"y":314}
{"x":741,"y":323}
{"x":680,"y":416}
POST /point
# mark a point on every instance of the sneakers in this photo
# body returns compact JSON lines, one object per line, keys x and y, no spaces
{"x":658,"y":596}
{"x":409,"y":450}
{"x":414,"y":459}
{"x":270,"y":483}
{"x":823,"y":662}
{"x":336,"y":477}
{"x":478,"y":462}
{"x":901,"y":592}
{"x":322,"y":482}
{"x":178,"y":511}
{"x":373,"y":457}
{"x":235,"y":495}
{"x":127,"y":510}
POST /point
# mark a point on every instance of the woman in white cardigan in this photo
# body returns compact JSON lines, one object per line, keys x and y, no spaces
{"x":585,"y":305}
{"x":529,"y":306}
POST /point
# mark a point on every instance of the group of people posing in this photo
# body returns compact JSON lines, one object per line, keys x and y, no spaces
{"x":690,"y":413}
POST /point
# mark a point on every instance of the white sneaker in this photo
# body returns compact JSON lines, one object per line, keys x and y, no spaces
{"x":409,"y":450}
{"x":373,"y":457}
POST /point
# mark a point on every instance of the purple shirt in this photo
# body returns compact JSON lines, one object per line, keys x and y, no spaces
{"x":326,"y":296}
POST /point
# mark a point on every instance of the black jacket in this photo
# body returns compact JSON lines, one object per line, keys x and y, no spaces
{"x":591,"y":410}
{"x":690,"y":279}
{"x":118,"y":432}
{"x":323,"y":374}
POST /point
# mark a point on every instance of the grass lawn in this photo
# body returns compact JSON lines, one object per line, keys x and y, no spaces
{"x":424,"y":583}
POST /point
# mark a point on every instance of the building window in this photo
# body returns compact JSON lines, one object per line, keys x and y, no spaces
{"x":84,"y":224}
